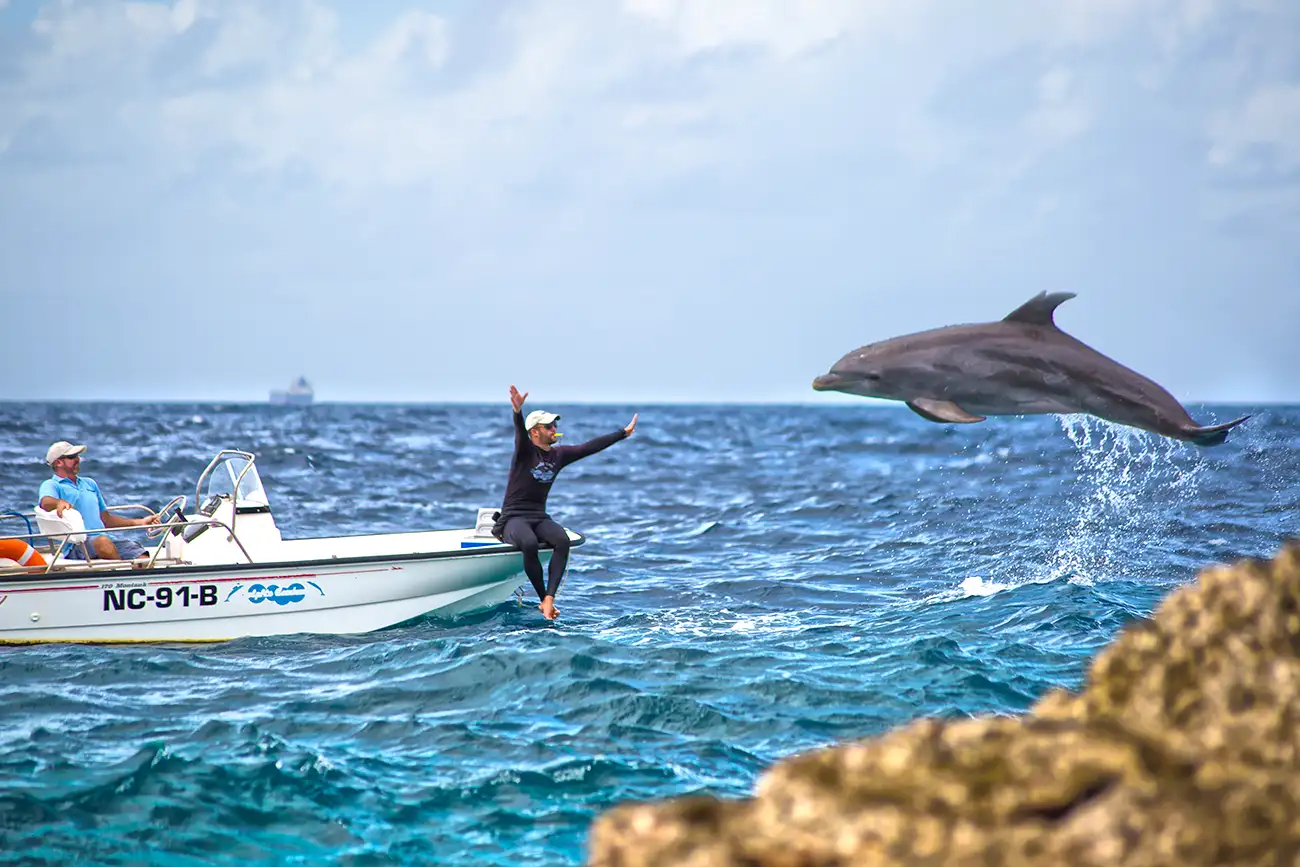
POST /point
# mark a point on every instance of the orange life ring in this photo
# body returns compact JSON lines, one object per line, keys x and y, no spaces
{"x":20,"y":552}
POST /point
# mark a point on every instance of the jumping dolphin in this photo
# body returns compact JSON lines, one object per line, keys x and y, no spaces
{"x":1020,"y":366}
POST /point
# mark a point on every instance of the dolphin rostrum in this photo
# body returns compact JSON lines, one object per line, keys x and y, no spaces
{"x":1020,"y":366}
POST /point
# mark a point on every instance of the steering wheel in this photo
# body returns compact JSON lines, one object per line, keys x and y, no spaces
{"x":177,"y":505}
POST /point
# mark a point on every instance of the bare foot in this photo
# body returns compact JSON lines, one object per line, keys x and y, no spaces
{"x":548,"y":609}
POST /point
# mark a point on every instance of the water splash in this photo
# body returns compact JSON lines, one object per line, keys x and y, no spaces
{"x":1268,"y":450}
{"x":974,"y":585}
{"x":971,"y":587}
{"x":1123,"y":476}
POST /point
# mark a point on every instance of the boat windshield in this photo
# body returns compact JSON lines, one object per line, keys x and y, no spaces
{"x":225,"y":477}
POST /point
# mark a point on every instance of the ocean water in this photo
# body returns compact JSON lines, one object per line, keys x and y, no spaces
{"x":757,"y":581}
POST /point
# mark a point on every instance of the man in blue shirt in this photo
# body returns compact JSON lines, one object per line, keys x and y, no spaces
{"x":67,"y":490}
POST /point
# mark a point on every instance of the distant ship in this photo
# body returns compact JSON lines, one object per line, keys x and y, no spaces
{"x":300,"y":393}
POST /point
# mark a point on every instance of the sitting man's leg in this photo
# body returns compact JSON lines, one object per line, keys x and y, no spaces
{"x":102,"y":548}
{"x":519,"y":532}
{"x":553,"y":533}
{"x":129,"y":549}
{"x":106,"y":548}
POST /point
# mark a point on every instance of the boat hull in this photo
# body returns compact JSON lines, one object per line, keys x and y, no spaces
{"x":220,"y":603}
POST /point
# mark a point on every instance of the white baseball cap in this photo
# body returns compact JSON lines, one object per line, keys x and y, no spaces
{"x":537,"y":417}
{"x":62,"y":450}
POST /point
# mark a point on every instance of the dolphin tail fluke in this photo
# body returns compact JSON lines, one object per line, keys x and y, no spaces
{"x":1213,"y":435}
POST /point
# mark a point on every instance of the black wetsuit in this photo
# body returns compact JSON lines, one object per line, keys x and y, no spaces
{"x":523,"y":519}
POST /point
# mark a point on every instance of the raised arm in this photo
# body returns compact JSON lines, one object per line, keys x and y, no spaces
{"x":569,"y":454}
{"x":517,"y":402}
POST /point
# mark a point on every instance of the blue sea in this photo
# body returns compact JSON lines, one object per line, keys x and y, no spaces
{"x":757,"y":581}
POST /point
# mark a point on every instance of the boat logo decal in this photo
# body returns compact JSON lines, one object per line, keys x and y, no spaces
{"x":280,"y":594}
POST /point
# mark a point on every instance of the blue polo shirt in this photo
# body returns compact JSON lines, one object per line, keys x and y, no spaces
{"x":83,"y":494}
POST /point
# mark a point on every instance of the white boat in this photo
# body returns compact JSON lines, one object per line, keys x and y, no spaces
{"x":225,"y":572}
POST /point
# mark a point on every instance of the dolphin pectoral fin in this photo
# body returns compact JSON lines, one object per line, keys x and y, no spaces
{"x":942,"y":411}
{"x":1213,"y":435}
{"x":1038,"y":310}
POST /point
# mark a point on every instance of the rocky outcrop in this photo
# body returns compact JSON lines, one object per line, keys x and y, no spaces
{"x":1183,"y":748}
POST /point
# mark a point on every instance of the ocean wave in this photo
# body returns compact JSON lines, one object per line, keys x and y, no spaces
{"x":754,"y":584}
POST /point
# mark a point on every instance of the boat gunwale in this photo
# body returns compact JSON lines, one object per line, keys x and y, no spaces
{"x":130,"y":574}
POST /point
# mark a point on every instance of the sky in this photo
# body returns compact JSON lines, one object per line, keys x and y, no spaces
{"x":636,"y":200}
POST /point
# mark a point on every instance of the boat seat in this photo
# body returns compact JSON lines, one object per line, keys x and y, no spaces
{"x":71,"y":523}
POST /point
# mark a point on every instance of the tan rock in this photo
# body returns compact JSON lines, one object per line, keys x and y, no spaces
{"x":1182,"y":749}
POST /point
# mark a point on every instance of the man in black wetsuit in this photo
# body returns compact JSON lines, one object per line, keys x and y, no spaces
{"x":523,"y":519}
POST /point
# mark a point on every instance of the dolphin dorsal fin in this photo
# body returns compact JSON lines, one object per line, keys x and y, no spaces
{"x":1038,"y":310}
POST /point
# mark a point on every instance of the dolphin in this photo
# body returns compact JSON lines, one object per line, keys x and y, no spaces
{"x":1022,"y":365}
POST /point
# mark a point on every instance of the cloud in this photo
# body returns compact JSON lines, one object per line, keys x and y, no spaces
{"x":277,"y":89}
{"x":688,"y":174}
{"x":1261,"y":134}
{"x":786,"y":30}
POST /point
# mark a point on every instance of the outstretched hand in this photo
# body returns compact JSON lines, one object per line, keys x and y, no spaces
{"x":631,"y":426}
{"x":517,"y":399}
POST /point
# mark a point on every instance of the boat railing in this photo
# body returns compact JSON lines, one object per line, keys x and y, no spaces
{"x":56,"y":542}
{"x":248,"y":457}
{"x":25,"y":518}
